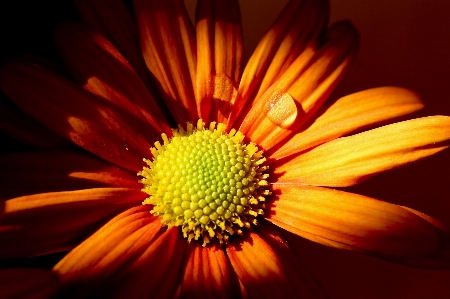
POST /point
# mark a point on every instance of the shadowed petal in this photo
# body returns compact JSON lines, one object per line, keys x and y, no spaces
{"x":349,"y":160}
{"x":47,"y":171}
{"x":75,"y":114}
{"x":300,"y":23}
{"x":265,"y":273}
{"x":302,"y":88}
{"x":21,"y":127}
{"x":50,"y":222}
{"x":352,"y":113}
{"x":113,"y":20}
{"x":168,"y":45}
{"x":27,"y":283}
{"x":351,"y":221}
{"x":100,"y":68}
{"x":208,"y":274}
{"x":220,"y":47}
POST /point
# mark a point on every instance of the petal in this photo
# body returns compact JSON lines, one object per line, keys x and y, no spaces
{"x":308,"y":82}
{"x":51,"y":222}
{"x":305,"y":285}
{"x":21,"y":127}
{"x":113,"y":20}
{"x":263,"y":271}
{"x":220,"y":45}
{"x":300,"y":23}
{"x":168,"y":44}
{"x":100,"y":68}
{"x":208,"y":274}
{"x":351,"y":221}
{"x":47,"y":171}
{"x":30,"y":283}
{"x":93,"y":263}
{"x":349,"y":160}
{"x":352,"y":113}
{"x":156,"y":273}
{"x":75,"y":114}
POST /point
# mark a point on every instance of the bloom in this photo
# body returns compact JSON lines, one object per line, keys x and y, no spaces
{"x":276,"y":105}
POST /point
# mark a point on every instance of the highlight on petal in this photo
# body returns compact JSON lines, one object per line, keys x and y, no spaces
{"x":220,"y":52}
{"x":27,"y":283}
{"x":300,"y":23}
{"x":349,"y":160}
{"x":75,"y":114}
{"x":48,"y":171}
{"x":100,"y":258}
{"x":353,"y":222}
{"x":309,"y":80}
{"x":352,"y":113}
{"x":261,"y":263}
{"x":168,"y":44}
{"x":51,"y":222}
{"x":208,"y":274}
{"x":96,"y":65}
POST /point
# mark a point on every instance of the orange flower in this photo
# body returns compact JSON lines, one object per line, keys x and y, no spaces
{"x":140,"y":78}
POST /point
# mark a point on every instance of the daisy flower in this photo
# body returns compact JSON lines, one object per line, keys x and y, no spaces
{"x":227,"y":158}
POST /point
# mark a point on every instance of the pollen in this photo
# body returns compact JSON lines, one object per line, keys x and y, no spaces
{"x":207,"y":181}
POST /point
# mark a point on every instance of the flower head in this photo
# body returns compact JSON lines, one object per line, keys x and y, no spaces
{"x":228,"y":157}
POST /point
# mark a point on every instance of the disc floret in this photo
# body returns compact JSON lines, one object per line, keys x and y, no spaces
{"x":207,"y":181}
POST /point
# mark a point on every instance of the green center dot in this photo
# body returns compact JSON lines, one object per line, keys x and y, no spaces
{"x":207,"y":181}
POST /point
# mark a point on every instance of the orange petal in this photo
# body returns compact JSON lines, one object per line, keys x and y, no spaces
{"x":260,"y":269}
{"x":301,"y":22}
{"x":220,"y":46}
{"x":98,"y":259}
{"x":168,"y":44}
{"x":27,"y":283}
{"x":351,"y":221}
{"x":352,"y":113}
{"x":100,"y":68}
{"x":21,"y":127}
{"x":113,"y":20}
{"x":154,"y":274}
{"x":305,"y":285}
{"x":87,"y":120}
{"x":309,"y":80}
{"x":208,"y":274}
{"x":349,"y":160}
{"x":47,"y":171}
{"x":51,"y":222}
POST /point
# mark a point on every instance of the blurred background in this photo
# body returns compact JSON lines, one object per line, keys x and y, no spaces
{"x":403,"y":43}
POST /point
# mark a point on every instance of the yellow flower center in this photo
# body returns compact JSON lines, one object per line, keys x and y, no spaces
{"x":207,"y":181}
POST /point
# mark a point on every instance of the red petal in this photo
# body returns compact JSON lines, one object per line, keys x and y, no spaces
{"x":37,"y":172}
{"x":51,"y":222}
{"x":27,"y":283}
{"x":208,"y":274}
{"x":87,"y":120}
{"x":101,"y":69}
{"x":21,"y":127}
{"x":113,"y":20}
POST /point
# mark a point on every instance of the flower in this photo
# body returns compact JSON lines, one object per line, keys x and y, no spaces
{"x":277,"y":105}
